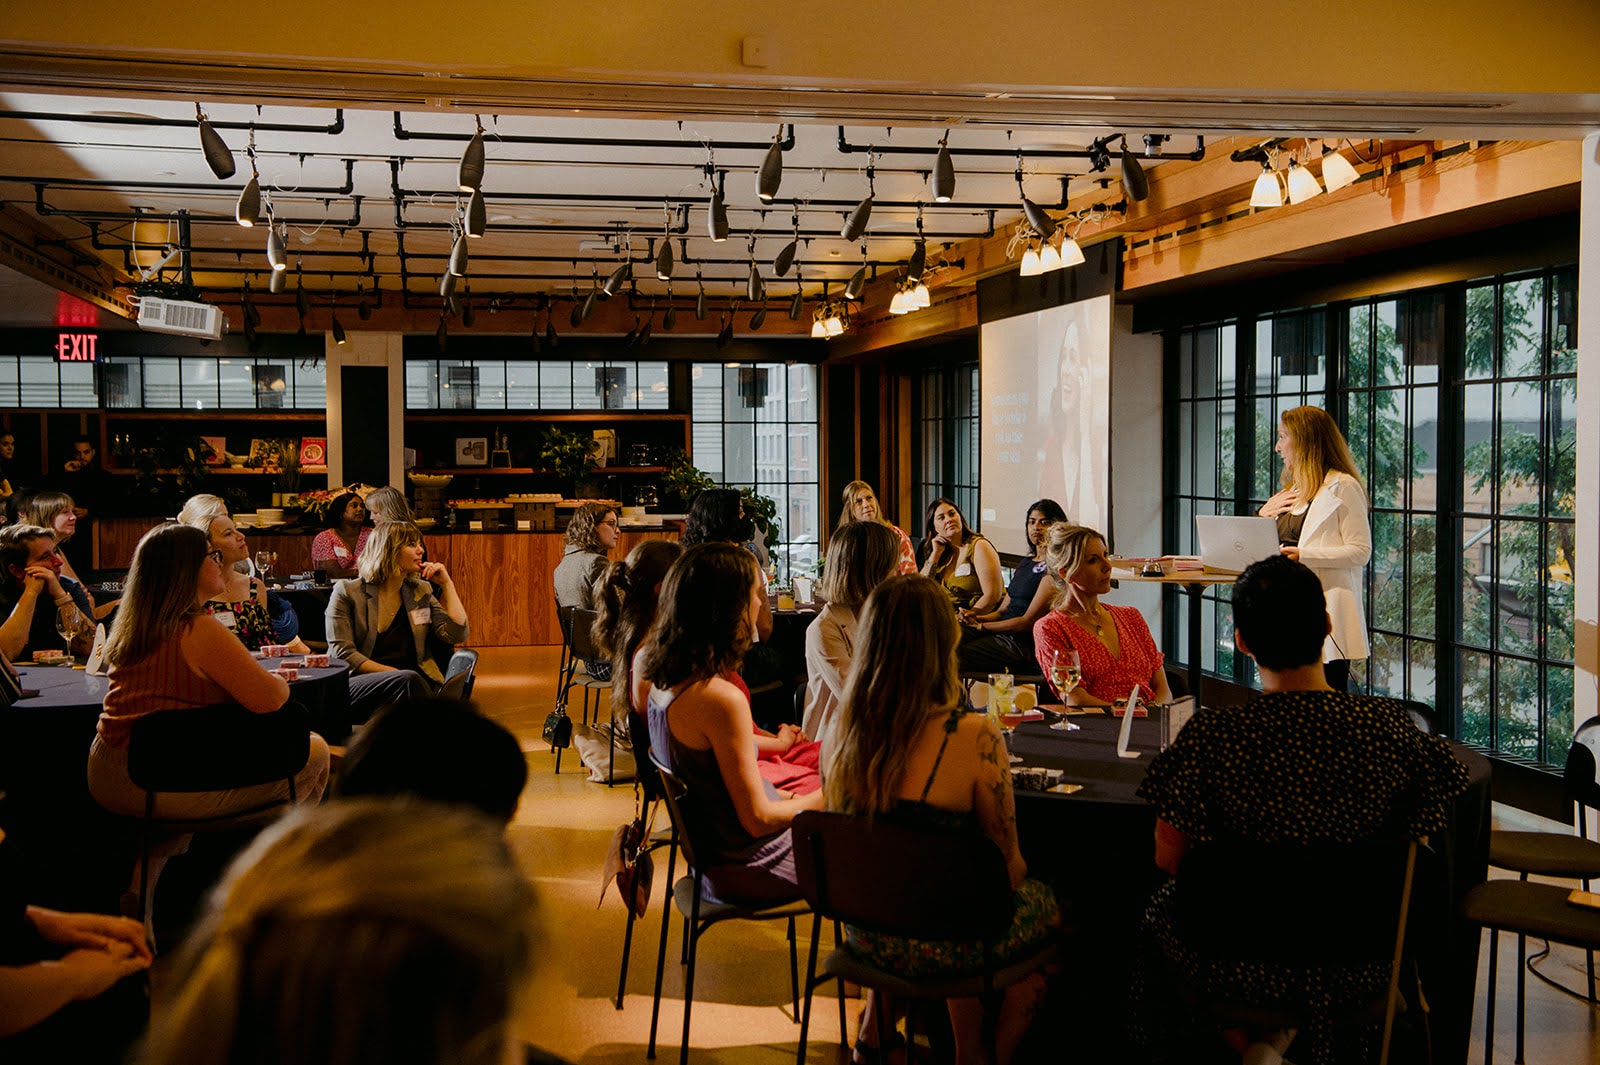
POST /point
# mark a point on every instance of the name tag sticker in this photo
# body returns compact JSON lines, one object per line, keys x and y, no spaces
{"x":421,"y":616}
{"x":964,"y":570}
{"x":1040,"y":567}
{"x":226,"y":617}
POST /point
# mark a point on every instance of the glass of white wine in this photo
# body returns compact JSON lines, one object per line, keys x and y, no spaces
{"x":1066,"y":670}
{"x":265,"y":560}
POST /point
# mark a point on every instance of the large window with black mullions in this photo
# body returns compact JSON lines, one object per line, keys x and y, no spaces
{"x":945,"y":449}
{"x":1459,"y":406}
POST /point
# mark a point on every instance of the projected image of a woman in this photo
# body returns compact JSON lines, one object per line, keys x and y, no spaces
{"x":1069,"y":470}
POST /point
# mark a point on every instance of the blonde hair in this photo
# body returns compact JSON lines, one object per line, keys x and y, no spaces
{"x":903,"y":675}
{"x":861,"y":556}
{"x":380,"y":555}
{"x":161,"y":595}
{"x":364,"y":930}
{"x":1064,"y":548}
{"x":389,"y":504}
{"x":1319,"y":446}
{"x":851,"y":492}
{"x":42,"y":508}
{"x":201,"y":510}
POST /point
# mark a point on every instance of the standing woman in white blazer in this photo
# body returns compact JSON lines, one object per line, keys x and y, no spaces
{"x":1322,"y":522}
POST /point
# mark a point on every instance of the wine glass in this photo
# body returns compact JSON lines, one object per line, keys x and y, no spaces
{"x":265,"y":560}
{"x":1066,"y":670}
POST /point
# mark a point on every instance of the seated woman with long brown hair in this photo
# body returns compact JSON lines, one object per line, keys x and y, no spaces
{"x":908,"y":751}
{"x":701,"y":728}
{"x":166,"y":653}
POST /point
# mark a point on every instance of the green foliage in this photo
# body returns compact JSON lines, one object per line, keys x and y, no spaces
{"x":764,"y":512}
{"x":170,"y":468}
{"x":683,"y":479}
{"x":568,"y":455}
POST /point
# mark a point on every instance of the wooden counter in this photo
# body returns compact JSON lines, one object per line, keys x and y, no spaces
{"x":503,"y":577}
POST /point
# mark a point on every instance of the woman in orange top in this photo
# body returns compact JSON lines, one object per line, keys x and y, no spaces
{"x":166,"y":653}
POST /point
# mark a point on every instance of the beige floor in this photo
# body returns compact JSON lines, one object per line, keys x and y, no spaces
{"x":742,"y":1011}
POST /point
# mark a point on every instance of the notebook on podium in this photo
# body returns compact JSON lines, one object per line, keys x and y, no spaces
{"x":1229,"y":544}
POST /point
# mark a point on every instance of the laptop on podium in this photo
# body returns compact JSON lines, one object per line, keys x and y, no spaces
{"x":1229,"y":544}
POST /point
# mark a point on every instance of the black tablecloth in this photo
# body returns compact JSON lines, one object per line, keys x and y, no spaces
{"x":1096,"y":848}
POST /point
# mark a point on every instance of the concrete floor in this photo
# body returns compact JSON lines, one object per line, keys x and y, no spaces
{"x":742,"y":1013}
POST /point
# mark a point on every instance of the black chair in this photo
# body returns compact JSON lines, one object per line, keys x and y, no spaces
{"x":650,"y":793}
{"x":1573,"y":857}
{"x":1425,"y":717}
{"x":460,"y":676}
{"x":213,"y":748}
{"x":700,"y":914}
{"x":1528,"y":909}
{"x":1299,"y":906}
{"x":876,"y":875}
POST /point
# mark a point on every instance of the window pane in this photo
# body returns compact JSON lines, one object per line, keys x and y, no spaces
{"x":1387,"y":360}
{"x":555,"y":386}
{"x":1522,"y":327}
{"x":41,"y":383}
{"x":522,"y":386}
{"x":652,"y":388}
{"x":1517,"y":708}
{"x":161,"y":377}
{"x":1480,"y":361}
{"x":1477,"y":698}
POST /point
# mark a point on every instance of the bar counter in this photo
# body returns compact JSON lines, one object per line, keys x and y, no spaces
{"x":503,"y":575}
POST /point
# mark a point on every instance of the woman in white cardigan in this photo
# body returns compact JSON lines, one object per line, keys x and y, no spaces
{"x":1322,"y":522}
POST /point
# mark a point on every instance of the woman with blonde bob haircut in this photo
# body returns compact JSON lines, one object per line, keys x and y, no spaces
{"x":364,"y":931}
{"x":381,"y":621}
{"x":861,"y":504}
{"x":908,"y":751}
{"x":1322,"y":522}
{"x":56,"y":511}
{"x":861,"y":556}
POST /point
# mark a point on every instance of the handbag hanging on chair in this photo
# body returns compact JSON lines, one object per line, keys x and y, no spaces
{"x":558,"y":728}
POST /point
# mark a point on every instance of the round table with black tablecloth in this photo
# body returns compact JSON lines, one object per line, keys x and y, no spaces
{"x":1096,"y":848}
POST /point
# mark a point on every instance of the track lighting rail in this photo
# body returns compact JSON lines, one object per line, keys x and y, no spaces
{"x":332,"y":129}
{"x":44,"y":209}
{"x":1092,"y":153}
{"x":210,"y":187}
{"x":404,"y":134}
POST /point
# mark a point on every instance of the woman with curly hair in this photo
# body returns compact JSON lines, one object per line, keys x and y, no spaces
{"x":337,"y":548}
{"x":592,"y":535}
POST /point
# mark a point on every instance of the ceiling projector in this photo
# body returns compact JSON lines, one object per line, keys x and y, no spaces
{"x":183,"y":317}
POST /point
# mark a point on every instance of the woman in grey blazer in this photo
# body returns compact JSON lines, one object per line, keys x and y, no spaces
{"x":380,"y":621}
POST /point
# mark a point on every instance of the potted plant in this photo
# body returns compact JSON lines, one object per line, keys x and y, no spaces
{"x":682,"y":482}
{"x":568,"y":455}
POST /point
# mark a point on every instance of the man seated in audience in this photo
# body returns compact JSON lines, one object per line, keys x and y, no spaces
{"x":36,"y":602}
{"x":1302,"y":764}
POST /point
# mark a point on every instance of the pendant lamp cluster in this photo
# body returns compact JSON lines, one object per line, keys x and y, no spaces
{"x":911,"y":292}
{"x":1296,"y":184}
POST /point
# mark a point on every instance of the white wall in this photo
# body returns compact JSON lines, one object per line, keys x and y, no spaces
{"x":1586,"y":567}
{"x":1136,"y":456}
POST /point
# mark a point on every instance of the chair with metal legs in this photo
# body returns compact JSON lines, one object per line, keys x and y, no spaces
{"x":700,"y":914}
{"x":650,"y":791}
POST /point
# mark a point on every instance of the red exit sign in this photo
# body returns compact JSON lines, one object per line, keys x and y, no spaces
{"x":76,"y":347}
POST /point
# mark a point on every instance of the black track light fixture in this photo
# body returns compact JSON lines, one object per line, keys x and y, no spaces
{"x":919,"y":254}
{"x":771,"y":174}
{"x":469,"y":175}
{"x":700,"y":298}
{"x":441,"y":335}
{"x":855,"y":224}
{"x":477,"y":217}
{"x":798,"y":304}
{"x":277,"y":246}
{"x":218,"y":156}
{"x":363,"y":305}
{"x":447,"y":286}
{"x":717,"y":209}
{"x":944,"y":172}
{"x":785,"y":257}
{"x":469,"y":314}
{"x":615,"y":280}
{"x":338,"y":329}
{"x":664,"y":253}
{"x":252,"y":315}
{"x":754,"y":287}
{"x":247,"y":211}
{"x":302,"y":301}
{"x":458,"y":254}
{"x":669,"y":317}
{"x":1134,"y":181}
{"x":1037,"y":217}
{"x":858,"y":280}
{"x":277,"y":281}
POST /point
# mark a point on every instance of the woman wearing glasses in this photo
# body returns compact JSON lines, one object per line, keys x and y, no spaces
{"x":166,"y":653}
{"x":591,"y":537}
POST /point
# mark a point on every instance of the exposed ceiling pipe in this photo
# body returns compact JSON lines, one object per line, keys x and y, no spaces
{"x":333,"y":129}
{"x":403,"y":134}
{"x":300,"y":191}
{"x":849,"y":148}
{"x":44,"y":209}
